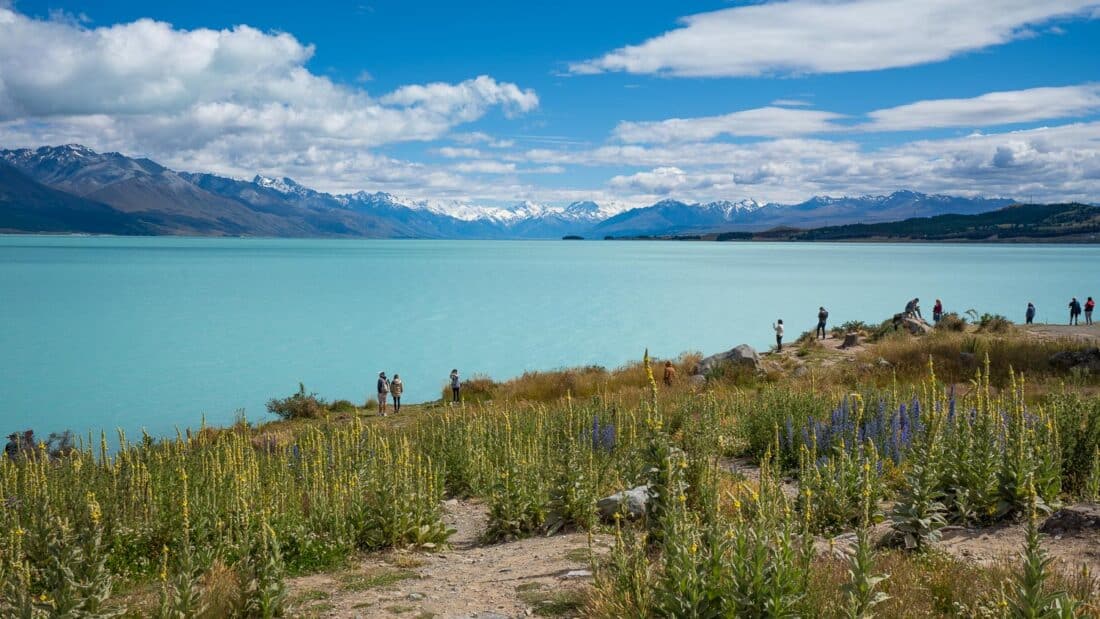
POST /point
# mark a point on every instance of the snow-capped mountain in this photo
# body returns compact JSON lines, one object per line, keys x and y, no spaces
{"x":141,"y":196}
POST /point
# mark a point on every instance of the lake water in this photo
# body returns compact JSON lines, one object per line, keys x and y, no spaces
{"x":155,"y":332}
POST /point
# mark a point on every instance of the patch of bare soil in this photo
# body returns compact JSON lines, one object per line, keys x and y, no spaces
{"x":536,"y":576}
{"x":1061,"y":332}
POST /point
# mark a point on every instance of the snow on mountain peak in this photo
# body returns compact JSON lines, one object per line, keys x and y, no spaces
{"x":283,"y":185}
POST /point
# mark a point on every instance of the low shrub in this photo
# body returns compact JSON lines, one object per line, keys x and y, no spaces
{"x":951,"y":322}
{"x":994,"y":323}
{"x":301,"y":405}
{"x":342,"y":406}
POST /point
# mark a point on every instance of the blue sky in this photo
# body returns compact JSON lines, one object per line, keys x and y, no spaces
{"x":621,"y":102}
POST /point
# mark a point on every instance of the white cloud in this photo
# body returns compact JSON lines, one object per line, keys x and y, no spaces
{"x":791,"y":103}
{"x":452,"y":152}
{"x":225,"y":100}
{"x":759,"y":122}
{"x":485,"y":167}
{"x":825,"y":36}
{"x":670,"y":180}
{"x":995,"y":108}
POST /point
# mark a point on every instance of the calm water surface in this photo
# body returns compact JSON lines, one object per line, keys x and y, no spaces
{"x":155,"y":332}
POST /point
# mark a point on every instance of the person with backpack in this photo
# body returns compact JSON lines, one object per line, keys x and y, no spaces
{"x":1089,"y":306}
{"x":1074,"y":311}
{"x":1029,"y":315}
{"x":397,"y":387}
{"x":456,"y":387}
{"x":778,"y":326}
{"x":937,"y":312}
{"x":822,"y":316}
{"x":383,"y":392}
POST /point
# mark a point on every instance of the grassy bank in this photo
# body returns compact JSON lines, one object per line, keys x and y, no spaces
{"x":211,"y":523}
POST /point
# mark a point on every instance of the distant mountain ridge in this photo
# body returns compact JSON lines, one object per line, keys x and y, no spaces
{"x":65,"y":185}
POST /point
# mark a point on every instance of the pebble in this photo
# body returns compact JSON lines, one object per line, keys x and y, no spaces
{"x":577,"y":574}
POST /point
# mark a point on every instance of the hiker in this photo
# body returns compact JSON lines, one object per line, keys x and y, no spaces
{"x":1089,"y":306}
{"x":912,"y":309}
{"x":670,"y":373}
{"x":396,"y":388}
{"x":778,"y":326}
{"x":456,"y":387}
{"x":383,"y":391}
{"x":12,"y":448}
{"x":937,"y":311}
{"x":1030,"y":314}
{"x":1074,"y":311}
{"x":822,"y":316}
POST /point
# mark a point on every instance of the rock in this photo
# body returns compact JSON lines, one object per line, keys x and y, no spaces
{"x":415,"y":597}
{"x":631,"y":503}
{"x":800,"y":371}
{"x":1087,"y":359}
{"x":697,"y":380}
{"x":577,"y":574}
{"x":850,"y":340}
{"x":739,"y":355}
{"x":883,"y":363}
{"x":1072,"y":519}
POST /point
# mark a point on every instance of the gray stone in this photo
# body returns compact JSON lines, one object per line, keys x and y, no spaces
{"x":800,"y":371}
{"x":1088,"y":358}
{"x":1073,"y":519}
{"x":739,"y":355}
{"x":577,"y":574}
{"x":631,"y":503}
{"x":416,"y":597}
{"x":697,"y":380}
{"x":883,"y":363}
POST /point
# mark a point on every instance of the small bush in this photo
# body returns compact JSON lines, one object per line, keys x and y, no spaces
{"x":994,"y":323}
{"x":951,"y":322}
{"x":342,"y":406}
{"x":298,"y":406}
{"x":852,"y":326}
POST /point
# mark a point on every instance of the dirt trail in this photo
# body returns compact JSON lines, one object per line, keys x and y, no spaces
{"x":469,"y":580}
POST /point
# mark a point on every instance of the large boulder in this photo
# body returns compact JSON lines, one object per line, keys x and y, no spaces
{"x":1073,"y":519}
{"x":912,"y":324}
{"x":630,"y":503}
{"x":743,"y":355}
{"x":1088,"y":358}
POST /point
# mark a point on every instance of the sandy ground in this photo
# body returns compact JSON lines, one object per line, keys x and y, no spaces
{"x":469,"y":580}
{"x":1054,"y":332}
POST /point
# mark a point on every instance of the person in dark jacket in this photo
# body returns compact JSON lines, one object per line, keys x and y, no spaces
{"x":456,"y":387}
{"x":1030,"y":314}
{"x":12,"y":448}
{"x":822,"y":317}
{"x":1089,"y":306}
{"x":1074,"y":311}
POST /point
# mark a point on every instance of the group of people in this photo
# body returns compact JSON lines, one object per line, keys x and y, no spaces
{"x":392,"y":389}
{"x":1075,"y":311}
{"x":912,"y":309}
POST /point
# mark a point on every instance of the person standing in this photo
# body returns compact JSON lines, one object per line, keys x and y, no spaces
{"x":1074,"y":311}
{"x":397,"y":387}
{"x":778,"y":326}
{"x":456,"y":387}
{"x":383,"y":392}
{"x":1030,"y":314}
{"x":822,"y":317}
{"x":937,"y":311}
{"x":1089,"y":306}
{"x":670,"y":373}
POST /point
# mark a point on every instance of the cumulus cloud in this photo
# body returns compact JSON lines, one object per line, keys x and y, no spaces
{"x":759,"y":122}
{"x":225,"y":99}
{"x":485,"y":167}
{"x":669,"y":180}
{"x":995,"y":108}
{"x":826,"y":36}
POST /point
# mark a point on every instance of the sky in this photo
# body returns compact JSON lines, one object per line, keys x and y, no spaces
{"x":626,"y":103}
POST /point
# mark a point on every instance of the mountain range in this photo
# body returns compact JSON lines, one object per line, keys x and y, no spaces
{"x":73,"y":189}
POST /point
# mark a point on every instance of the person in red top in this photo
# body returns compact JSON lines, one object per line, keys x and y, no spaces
{"x":937,"y":311}
{"x":1089,"y":305}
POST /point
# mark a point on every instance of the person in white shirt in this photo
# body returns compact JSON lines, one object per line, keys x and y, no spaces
{"x":778,"y":326}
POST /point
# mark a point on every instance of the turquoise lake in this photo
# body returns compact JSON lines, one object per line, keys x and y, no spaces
{"x":156,"y":332}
